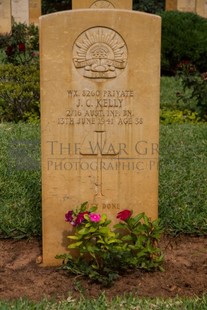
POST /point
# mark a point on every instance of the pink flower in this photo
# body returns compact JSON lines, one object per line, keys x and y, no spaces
{"x":124,"y":215}
{"x":94,"y":217}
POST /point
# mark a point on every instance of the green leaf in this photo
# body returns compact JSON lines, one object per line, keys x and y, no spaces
{"x":121,"y":225}
{"x":83,"y":231}
{"x":92,"y":229}
{"x":113,"y":241}
{"x":107,"y":222}
{"x":91,"y":248}
{"x":75,"y":245}
{"x":86,"y":216}
{"x":83,"y":206}
{"x":138,"y":217}
{"x":146,"y":220}
{"x":73,"y":237}
{"x":103,"y":230}
{"x":103,"y":218}
{"x":93,"y":209}
{"x":88,"y":225}
{"x":127,"y":238}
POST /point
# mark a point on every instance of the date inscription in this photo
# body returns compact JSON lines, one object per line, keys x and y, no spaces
{"x":100,"y":107}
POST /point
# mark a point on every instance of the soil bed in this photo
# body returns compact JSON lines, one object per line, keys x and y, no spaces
{"x":21,"y":275}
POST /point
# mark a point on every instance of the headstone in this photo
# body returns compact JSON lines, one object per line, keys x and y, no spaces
{"x":201,"y":8}
{"x":26,"y":11}
{"x":186,"y":5}
{"x":171,"y":5}
{"x":196,"y":6}
{"x":20,"y":11}
{"x":5,"y":16}
{"x":99,"y":116}
{"x":102,"y":4}
{"x":34,"y":11}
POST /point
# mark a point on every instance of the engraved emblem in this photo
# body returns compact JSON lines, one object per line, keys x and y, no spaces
{"x":101,"y":4}
{"x":100,"y":53}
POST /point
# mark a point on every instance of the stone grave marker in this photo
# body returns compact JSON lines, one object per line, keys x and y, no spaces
{"x":99,"y":116}
{"x":102,"y":4}
{"x":171,"y":5}
{"x":201,"y":8}
{"x":180,"y":5}
{"x":26,"y":11}
{"x":35,"y":11}
{"x":186,"y":5}
{"x":5,"y":16}
{"x":20,"y":11}
{"x":195,"y":6}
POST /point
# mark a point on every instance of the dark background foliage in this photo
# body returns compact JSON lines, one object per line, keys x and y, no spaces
{"x":184,"y":37}
{"x":150,"y":6}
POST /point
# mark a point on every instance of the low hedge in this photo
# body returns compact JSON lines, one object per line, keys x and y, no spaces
{"x":19,"y":93}
{"x":184,"y":37}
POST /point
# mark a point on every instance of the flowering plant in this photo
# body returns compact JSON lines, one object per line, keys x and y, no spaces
{"x":194,"y":86}
{"x":22,"y":46}
{"x":104,"y":252}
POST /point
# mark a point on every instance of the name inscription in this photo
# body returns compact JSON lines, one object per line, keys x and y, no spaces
{"x":100,"y":107}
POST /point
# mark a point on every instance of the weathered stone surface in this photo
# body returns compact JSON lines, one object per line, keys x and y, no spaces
{"x":100,"y":116}
{"x":34,"y":11}
{"x":20,"y":11}
{"x":195,"y":6}
{"x":102,"y":4}
{"x":26,"y":11}
{"x":201,"y":8}
{"x":171,"y":5}
{"x":5,"y":16}
{"x":186,"y":5}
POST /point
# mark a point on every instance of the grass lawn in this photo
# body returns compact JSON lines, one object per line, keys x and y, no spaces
{"x":120,"y":303}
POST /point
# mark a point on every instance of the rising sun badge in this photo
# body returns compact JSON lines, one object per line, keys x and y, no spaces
{"x":100,"y":53}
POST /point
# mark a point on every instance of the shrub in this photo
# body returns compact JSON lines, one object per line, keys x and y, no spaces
{"x":19,"y":92}
{"x":22,"y":45}
{"x":104,"y":252}
{"x":197,"y":83}
{"x":150,"y":6}
{"x":49,"y":6}
{"x":184,"y":37}
{"x":168,"y":117}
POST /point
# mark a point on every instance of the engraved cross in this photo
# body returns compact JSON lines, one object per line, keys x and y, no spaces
{"x":99,"y":153}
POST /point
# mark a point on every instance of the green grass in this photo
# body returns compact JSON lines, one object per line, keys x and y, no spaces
{"x":169,"y":88}
{"x":183,"y":178}
{"x":182,"y":188}
{"x":20,"y":181}
{"x":119,"y":303}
